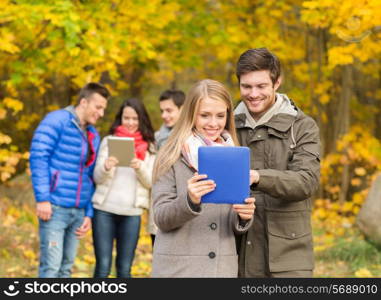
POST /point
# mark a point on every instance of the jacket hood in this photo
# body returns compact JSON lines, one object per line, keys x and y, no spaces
{"x":76,"y":121}
{"x":283,"y":106}
{"x":71,"y":109}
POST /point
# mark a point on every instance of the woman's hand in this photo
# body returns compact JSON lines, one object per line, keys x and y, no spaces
{"x":197,"y":187}
{"x":110,"y":162}
{"x":245,"y":211}
{"x":136,"y":163}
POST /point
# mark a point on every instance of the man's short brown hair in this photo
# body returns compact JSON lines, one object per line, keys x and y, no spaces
{"x":177,"y":96}
{"x":93,"y":88}
{"x":258,"y":59}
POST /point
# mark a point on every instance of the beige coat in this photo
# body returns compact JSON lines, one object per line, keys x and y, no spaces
{"x":104,"y":178}
{"x":192,"y":242}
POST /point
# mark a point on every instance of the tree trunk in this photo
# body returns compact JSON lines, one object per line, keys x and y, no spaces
{"x":317,"y":40}
{"x":377,"y":132}
{"x":135,"y":81}
{"x":343,"y":123}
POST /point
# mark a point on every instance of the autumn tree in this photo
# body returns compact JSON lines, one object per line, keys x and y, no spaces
{"x":330,"y":52}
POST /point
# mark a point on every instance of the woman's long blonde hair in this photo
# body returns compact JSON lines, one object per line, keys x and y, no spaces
{"x":171,"y":150}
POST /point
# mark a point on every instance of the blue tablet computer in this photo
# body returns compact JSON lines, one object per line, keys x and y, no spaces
{"x":229,"y":167}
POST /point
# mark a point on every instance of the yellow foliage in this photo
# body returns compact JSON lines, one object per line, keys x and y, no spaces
{"x":355,"y":182}
{"x":321,"y":248}
{"x":340,"y":56}
{"x":5,"y":254}
{"x":7,"y":42}
{"x":4,"y":176}
{"x":335,"y":219}
{"x":14,"y":104}
{"x":13,"y":270}
{"x":30,"y":254}
{"x":321,"y":213}
{"x":13,"y":211}
{"x":340,"y":231}
{"x":3,"y":113}
{"x":8,"y":221}
{"x":324,"y":99}
{"x":50,"y":107}
{"x":5,"y":139}
{"x":363,"y":272}
{"x":25,"y":121}
{"x":347,"y":207}
{"x":358,"y":198}
{"x":89,"y":259}
{"x":362,"y":152}
{"x":360,"y":171}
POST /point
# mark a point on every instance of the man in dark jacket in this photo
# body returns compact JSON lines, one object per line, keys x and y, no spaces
{"x":284,"y":145}
{"x":62,"y":160}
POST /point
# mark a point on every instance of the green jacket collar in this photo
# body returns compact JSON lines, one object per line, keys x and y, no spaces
{"x":280,"y":122}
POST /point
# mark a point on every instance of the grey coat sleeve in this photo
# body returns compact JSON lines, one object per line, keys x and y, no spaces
{"x":239,"y":227}
{"x":171,"y":208}
{"x":301,"y":178}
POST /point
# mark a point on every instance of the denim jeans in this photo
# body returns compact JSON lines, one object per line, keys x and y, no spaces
{"x":125,"y":230}
{"x":58,"y":242}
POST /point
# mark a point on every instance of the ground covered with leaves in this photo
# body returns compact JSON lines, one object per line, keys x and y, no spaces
{"x":340,"y":249}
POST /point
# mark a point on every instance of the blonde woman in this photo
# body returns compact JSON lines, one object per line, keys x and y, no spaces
{"x":194,"y":239}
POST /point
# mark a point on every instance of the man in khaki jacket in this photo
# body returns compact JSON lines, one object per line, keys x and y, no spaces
{"x":284,"y":145}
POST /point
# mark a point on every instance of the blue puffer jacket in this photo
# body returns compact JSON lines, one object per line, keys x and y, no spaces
{"x":60,"y":161}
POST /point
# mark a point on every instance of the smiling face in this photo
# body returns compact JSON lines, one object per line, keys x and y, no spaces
{"x":130,"y":119}
{"x":170,"y":113}
{"x":258,"y":92}
{"x":211,"y":118}
{"x":92,"y":108}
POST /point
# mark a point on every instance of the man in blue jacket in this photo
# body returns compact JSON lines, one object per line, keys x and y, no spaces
{"x":62,"y":160}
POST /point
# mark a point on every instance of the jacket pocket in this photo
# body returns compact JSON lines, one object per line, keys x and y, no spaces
{"x":54,"y":181}
{"x":290,"y":241}
{"x":274,"y":204}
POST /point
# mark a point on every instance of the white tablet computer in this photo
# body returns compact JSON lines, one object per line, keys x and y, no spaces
{"x":123,"y":148}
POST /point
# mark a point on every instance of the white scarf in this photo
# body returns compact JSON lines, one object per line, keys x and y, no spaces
{"x":281,"y":105}
{"x":195,"y":140}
